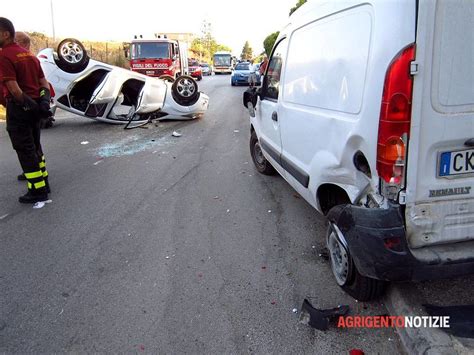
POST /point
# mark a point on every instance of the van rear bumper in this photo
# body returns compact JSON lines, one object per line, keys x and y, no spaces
{"x":368,"y":231}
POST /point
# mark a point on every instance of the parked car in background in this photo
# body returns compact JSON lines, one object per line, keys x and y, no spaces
{"x":367,"y":110}
{"x":240,"y":74}
{"x":206,"y":69}
{"x":195,"y":69}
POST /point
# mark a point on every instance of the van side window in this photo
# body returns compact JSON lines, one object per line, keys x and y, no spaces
{"x":271,"y":83}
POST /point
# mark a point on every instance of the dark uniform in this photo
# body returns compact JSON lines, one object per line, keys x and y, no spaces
{"x":23,"y":124}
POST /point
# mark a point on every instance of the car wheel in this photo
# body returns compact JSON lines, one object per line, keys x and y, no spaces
{"x":263,"y":165}
{"x":232,"y":83}
{"x":72,"y":56}
{"x":345,"y":272}
{"x":185,"y":91}
{"x":167,"y":78}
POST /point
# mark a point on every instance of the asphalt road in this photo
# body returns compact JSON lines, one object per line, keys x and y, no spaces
{"x":154,"y":243}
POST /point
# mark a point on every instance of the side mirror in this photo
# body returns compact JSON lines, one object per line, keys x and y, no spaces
{"x":250,"y":98}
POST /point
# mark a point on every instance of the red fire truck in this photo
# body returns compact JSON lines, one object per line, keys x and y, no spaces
{"x":158,"y":56}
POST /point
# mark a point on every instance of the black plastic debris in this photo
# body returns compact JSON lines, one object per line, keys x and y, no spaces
{"x":324,"y":253}
{"x":321,"y":318}
{"x":461,"y":318}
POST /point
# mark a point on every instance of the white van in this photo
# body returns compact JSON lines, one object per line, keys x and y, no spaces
{"x":367,"y":110}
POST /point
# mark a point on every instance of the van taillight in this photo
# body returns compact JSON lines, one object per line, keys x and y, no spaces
{"x":394,"y":123}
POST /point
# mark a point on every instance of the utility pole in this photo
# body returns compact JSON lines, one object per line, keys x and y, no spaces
{"x":52,"y":21}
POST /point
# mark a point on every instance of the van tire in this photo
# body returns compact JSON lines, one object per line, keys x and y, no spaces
{"x":262,"y":165}
{"x":345,"y":271}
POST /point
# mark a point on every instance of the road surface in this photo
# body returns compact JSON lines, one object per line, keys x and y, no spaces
{"x":154,"y":243}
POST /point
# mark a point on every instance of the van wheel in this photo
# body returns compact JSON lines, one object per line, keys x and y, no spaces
{"x":345,"y":272}
{"x":263,"y":165}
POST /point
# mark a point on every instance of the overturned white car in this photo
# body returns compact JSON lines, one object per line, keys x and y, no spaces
{"x":111,"y":94}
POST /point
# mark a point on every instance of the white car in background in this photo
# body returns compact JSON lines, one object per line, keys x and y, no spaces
{"x":115,"y":95}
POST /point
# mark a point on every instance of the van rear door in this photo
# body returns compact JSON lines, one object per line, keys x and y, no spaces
{"x":440,"y":169}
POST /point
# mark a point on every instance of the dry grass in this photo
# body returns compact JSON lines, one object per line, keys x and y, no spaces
{"x":107,"y":52}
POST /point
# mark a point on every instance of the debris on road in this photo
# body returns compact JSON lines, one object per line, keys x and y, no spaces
{"x":41,"y":204}
{"x":324,"y":254}
{"x":176,"y":134}
{"x":228,"y":211}
{"x":236,"y":131}
{"x":98,"y":162}
{"x":320,"y":318}
{"x":273,"y":302}
{"x":269,"y":211}
{"x":4,"y":216}
{"x":216,"y":197}
{"x":356,"y":352}
{"x":295,"y":310}
{"x":84,"y":142}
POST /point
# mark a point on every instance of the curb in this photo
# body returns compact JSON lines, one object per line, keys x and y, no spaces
{"x":401,"y":300}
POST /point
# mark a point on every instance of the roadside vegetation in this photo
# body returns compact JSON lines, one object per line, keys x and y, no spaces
{"x":206,"y":45}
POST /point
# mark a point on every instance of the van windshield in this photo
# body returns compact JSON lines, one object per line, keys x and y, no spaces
{"x":150,"y":50}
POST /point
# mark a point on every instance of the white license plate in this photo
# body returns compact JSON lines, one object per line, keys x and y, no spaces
{"x":459,"y":162}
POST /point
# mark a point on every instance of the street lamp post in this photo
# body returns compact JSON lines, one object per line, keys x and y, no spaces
{"x":52,"y":21}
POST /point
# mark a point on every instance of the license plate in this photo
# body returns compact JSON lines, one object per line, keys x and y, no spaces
{"x":459,"y":162}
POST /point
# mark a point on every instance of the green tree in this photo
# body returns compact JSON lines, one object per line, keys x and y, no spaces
{"x":198,"y":48}
{"x":298,"y":4}
{"x":247,"y":52}
{"x":205,"y":46}
{"x":269,"y":42}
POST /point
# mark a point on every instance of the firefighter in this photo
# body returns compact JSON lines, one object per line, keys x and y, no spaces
{"x":24,"y":41}
{"x":27,"y":95}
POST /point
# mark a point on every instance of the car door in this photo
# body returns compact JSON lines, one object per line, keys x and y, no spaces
{"x":269,"y":126}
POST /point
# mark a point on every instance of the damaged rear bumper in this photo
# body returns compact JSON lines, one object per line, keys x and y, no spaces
{"x":377,"y":242}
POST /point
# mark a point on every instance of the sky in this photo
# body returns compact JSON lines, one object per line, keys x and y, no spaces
{"x":233,"y":22}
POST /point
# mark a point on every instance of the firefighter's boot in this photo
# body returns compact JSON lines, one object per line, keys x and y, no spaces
{"x":36,"y":188}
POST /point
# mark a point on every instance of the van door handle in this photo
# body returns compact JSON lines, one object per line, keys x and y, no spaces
{"x":275,"y":116}
{"x":469,"y":142}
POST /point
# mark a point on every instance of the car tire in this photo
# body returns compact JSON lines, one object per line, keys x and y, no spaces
{"x":262,"y":165}
{"x":345,"y":272}
{"x":72,"y":56}
{"x":167,"y":78}
{"x":185,"y":91}
{"x":232,"y":83}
